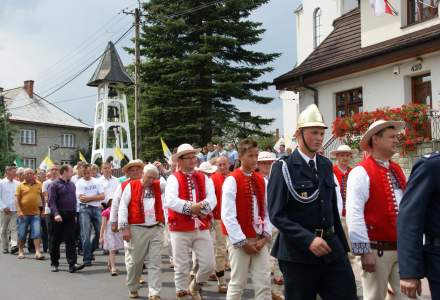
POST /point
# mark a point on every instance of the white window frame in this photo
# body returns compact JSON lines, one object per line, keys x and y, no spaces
{"x":29,"y":162}
{"x":68,"y":140}
{"x":317,"y":27}
{"x":28,"y":136}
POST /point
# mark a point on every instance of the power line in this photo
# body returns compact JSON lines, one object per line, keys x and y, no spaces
{"x":57,"y":102}
{"x":186,"y":12}
{"x":72,"y":62}
{"x":88,"y":66}
{"x":82,"y":44}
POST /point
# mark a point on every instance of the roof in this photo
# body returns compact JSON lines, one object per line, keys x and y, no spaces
{"x":37,"y":110}
{"x":110,"y":68}
{"x":342,"y":50}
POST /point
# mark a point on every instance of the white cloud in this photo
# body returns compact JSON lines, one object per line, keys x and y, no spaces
{"x":36,"y":34}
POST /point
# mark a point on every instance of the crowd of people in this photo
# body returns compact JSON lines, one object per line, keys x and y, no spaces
{"x":292,"y":221}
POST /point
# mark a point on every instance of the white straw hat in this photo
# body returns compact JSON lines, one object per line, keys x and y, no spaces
{"x":185,"y":149}
{"x":206,"y":167}
{"x":266,"y":156}
{"x":342,"y":149}
{"x":375,"y":128}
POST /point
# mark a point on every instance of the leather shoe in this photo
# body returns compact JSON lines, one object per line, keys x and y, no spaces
{"x":75,"y":267}
{"x":14,"y":250}
{"x":54,"y":269}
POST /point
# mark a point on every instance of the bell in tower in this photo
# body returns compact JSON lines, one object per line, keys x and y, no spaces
{"x":111,"y":108}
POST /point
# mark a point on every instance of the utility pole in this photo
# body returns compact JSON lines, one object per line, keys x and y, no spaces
{"x":2,"y":100}
{"x":137,"y":61}
{"x":136,"y":82}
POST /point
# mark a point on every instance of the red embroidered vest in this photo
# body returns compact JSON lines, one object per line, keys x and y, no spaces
{"x":381,"y":208}
{"x":218,"y":179}
{"x":342,"y":179}
{"x":181,"y":222}
{"x":136,"y":213}
{"x":244,"y":202}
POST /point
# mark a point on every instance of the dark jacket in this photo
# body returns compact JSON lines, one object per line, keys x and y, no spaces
{"x":419,"y":214}
{"x":297,"y":221}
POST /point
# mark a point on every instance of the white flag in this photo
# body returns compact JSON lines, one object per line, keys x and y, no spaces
{"x":381,"y":7}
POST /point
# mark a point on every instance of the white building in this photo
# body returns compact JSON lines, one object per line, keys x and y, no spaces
{"x":367,"y":61}
{"x":314,"y":22}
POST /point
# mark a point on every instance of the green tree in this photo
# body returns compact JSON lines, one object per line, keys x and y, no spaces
{"x":194,"y":64}
{"x":7,"y":154}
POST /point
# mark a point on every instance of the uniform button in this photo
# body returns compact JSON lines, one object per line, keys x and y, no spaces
{"x":322,"y":201}
{"x":323,"y":219}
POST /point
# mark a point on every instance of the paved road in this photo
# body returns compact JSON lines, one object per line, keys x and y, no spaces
{"x":31,"y":279}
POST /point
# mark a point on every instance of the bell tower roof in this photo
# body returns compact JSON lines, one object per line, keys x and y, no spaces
{"x":110,"y":69}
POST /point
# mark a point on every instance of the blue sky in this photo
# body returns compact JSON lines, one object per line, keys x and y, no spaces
{"x":49,"y":41}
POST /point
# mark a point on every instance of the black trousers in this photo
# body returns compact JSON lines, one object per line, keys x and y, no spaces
{"x":44,"y":233}
{"x":63,"y":231}
{"x":331,"y":281}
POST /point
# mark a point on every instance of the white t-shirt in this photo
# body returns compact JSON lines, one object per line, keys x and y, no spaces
{"x":44,"y":189}
{"x":7,"y":194}
{"x":90,"y":187}
{"x":109,"y":186}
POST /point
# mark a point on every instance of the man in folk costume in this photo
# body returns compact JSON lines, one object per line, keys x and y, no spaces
{"x":141,"y":220}
{"x":190,"y":199}
{"x":265,"y":161}
{"x":218,"y":179}
{"x":246,"y":224}
{"x":374,"y":190}
{"x":133,"y":171}
{"x":343,"y":155}
{"x":311,"y":246}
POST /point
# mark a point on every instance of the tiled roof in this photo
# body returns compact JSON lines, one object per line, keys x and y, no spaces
{"x":22,"y":108}
{"x":342,"y":47}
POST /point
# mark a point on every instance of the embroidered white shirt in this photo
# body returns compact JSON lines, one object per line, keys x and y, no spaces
{"x":358,"y":192}
{"x":173,"y":202}
{"x":229,"y":214}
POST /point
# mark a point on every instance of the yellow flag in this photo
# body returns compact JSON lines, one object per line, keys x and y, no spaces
{"x":119,"y":154}
{"x":46,"y":163}
{"x":81,"y":157}
{"x":166,"y":150}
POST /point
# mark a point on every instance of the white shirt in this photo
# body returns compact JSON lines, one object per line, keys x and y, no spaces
{"x":358,"y":192}
{"x":149,"y":203}
{"x":90,"y":187}
{"x":307,"y":159}
{"x":44,"y":189}
{"x":7,"y":194}
{"x":115,"y":204}
{"x":229,"y":213}
{"x":338,"y":195}
{"x":173,"y":202}
{"x":109,"y":186}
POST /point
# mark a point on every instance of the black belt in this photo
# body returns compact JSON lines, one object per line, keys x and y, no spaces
{"x":147,"y":226}
{"x":324,"y":233}
{"x":432,"y":241}
{"x":87,"y":205}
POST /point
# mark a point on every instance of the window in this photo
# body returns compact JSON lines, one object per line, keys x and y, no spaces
{"x":349,"y":102}
{"x":68,"y":140}
{"x":27,"y":136}
{"x":30,"y":163}
{"x":421,"y":10}
{"x":421,"y":89}
{"x":317,"y":27}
